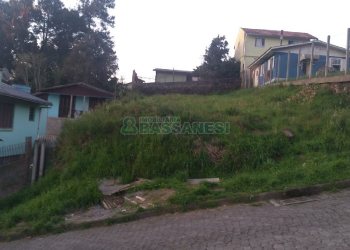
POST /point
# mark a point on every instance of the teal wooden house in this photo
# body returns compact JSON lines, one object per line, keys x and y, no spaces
{"x":22,"y":116}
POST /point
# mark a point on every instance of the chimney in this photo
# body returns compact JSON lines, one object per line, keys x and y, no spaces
{"x":281,"y":37}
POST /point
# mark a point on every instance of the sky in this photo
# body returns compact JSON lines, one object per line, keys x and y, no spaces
{"x":175,"y":33}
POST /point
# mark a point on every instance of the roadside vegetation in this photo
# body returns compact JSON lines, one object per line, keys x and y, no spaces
{"x":280,"y":137}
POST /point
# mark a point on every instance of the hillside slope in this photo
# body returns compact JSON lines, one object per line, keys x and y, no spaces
{"x":279,"y":137}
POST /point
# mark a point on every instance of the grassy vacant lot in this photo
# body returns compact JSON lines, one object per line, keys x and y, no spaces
{"x":255,"y":156}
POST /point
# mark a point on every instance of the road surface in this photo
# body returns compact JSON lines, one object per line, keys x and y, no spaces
{"x":323,"y":223}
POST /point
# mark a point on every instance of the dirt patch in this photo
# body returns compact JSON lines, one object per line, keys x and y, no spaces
{"x":339,"y":88}
{"x":214,"y":150}
{"x":306,"y":94}
{"x":96,"y":213}
{"x":150,"y":198}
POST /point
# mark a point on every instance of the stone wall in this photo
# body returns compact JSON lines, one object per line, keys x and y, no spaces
{"x":54,"y":126}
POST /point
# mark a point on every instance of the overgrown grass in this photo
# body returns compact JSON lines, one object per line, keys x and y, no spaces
{"x":254,"y":157}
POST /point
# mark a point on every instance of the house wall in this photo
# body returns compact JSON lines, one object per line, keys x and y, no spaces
{"x":170,"y":77}
{"x":22,"y":127}
{"x":239,"y":46}
{"x":55,"y":100}
{"x":252,"y":52}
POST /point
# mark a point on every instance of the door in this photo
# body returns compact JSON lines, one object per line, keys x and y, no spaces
{"x":65,"y":108}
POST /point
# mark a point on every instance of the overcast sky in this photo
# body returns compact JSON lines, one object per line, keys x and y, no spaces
{"x":175,"y":33}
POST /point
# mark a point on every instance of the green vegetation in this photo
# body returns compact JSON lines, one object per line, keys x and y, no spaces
{"x":256,"y":156}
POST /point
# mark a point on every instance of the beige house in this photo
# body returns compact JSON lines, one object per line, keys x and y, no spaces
{"x":173,"y":75}
{"x":252,"y":43}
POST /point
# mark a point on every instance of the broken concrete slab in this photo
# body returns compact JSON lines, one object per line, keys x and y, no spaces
{"x":199,"y":181}
{"x":111,"y":187}
{"x":107,"y":189}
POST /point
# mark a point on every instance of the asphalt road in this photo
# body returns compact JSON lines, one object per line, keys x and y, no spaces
{"x":323,"y":223}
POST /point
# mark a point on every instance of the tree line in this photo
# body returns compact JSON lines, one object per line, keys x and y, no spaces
{"x":43,"y":43}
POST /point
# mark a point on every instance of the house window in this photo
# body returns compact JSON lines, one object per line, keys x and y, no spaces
{"x":6,"y":115}
{"x":259,"y":42}
{"x":31,"y":114}
{"x":291,"y":41}
{"x":93,"y":102}
{"x":335,"y":63}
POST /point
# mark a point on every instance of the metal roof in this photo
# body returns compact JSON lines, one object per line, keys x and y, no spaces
{"x":78,"y":89}
{"x":277,"y":33}
{"x":268,"y":53}
{"x":173,"y":71}
{"x":9,"y":91}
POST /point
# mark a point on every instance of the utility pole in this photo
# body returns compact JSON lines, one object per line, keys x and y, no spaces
{"x":288,"y":63}
{"x":298,"y":63}
{"x":278,"y":68}
{"x":311,"y":59}
{"x":347,"y":52}
{"x":327,"y":56}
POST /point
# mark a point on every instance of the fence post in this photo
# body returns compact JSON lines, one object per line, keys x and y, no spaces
{"x":35,"y":161}
{"x":42,"y":159}
{"x":28,"y":156}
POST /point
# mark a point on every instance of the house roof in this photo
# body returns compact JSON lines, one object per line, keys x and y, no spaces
{"x":77,"y":89}
{"x":277,"y":34}
{"x":9,"y":91}
{"x":173,"y":71}
{"x":268,"y":53}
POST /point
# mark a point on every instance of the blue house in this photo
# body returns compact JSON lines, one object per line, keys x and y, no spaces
{"x":72,"y":100}
{"x":293,"y":61}
{"x":22,"y":116}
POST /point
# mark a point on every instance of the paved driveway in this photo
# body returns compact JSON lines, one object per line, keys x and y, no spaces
{"x":320,"y":224}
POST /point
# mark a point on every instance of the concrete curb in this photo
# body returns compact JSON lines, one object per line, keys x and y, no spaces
{"x":237,"y":199}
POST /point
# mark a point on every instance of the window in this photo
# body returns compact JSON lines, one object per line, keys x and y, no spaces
{"x":31,"y":114}
{"x":291,"y":41}
{"x":259,"y":42}
{"x":6,"y":115}
{"x":335,"y":63}
{"x":93,"y":102}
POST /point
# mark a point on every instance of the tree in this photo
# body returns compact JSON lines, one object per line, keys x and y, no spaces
{"x":218,"y":66}
{"x":91,"y":60}
{"x":15,"y":34}
{"x":47,"y":44}
{"x":30,"y":67}
{"x":95,"y":13}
